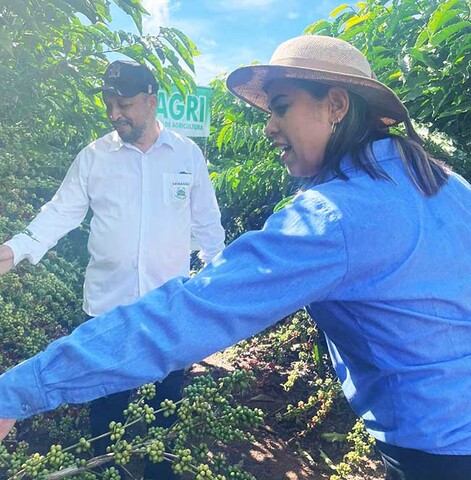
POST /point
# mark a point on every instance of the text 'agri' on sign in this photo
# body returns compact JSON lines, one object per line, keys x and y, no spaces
{"x":190,"y":117}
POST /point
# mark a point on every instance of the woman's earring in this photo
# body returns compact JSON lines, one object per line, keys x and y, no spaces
{"x":334,"y":126}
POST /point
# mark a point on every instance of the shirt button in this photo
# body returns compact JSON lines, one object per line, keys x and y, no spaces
{"x":26,"y":408}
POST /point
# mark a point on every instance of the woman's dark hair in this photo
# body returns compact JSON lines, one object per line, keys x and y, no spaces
{"x":355,"y":134}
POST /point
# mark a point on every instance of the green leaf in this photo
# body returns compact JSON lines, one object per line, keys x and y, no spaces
{"x":136,"y":52}
{"x":384,"y":62}
{"x":322,"y":26}
{"x":173,"y":59}
{"x":155,"y":62}
{"x":170,"y":35}
{"x":6,"y":42}
{"x":352,"y":33}
{"x":224,"y":136}
{"x":339,"y":9}
{"x":134,"y":9}
{"x":449,"y":31}
{"x":334,"y":437}
{"x":395,"y":75}
{"x":422,"y":38}
{"x":189,"y":44}
{"x":440,"y":18}
{"x":446,"y":5}
{"x":355,"y":21}
{"x":327,"y":460}
{"x":230,"y":117}
{"x":283,"y":203}
{"x":160,"y":54}
{"x":422,"y":55}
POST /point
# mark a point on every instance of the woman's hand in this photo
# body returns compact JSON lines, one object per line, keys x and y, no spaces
{"x":6,"y":259}
{"x":6,"y":424}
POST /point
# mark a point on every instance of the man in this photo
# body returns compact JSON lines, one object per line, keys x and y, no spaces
{"x":148,"y":189}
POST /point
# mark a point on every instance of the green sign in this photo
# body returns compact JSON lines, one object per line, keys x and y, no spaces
{"x":190,"y":118}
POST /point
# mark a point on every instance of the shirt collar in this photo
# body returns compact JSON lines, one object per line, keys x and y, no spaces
{"x":116,"y":143}
{"x":383,"y":150}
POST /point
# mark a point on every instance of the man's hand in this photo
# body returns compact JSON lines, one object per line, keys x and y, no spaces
{"x":5,"y":426}
{"x":6,"y":259}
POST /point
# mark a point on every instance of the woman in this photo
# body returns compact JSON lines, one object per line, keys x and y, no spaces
{"x":329,"y":117}
{"x":377,"y":247}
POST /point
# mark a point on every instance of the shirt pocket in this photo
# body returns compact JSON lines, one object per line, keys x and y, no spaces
{"x":177,"y":189}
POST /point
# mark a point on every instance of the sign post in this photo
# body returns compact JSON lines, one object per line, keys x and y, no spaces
{"x":190,"y":118}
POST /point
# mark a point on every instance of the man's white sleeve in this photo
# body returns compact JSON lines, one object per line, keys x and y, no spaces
{"x":205,"y":215}
{"x":63,"y":213}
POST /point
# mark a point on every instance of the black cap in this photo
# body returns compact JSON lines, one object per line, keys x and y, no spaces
{"x":127,"y":78}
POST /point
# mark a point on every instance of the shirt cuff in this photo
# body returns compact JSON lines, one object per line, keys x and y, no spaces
{"x":20,"y":392}
{"x":25,"y":247}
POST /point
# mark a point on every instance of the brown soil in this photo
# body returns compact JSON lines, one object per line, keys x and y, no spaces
{"x":277,"y":452}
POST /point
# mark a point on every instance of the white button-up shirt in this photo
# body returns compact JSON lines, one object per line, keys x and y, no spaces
{"x":145,"y":208}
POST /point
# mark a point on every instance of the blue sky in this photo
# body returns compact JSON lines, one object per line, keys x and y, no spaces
{"x":230,"y":33}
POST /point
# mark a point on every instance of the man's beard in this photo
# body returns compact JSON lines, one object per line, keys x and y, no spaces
{"x":136,"y":132}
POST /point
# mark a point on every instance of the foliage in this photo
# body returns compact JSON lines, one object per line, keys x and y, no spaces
{"x":399,"y":38}
{"x":419,"y":48}
{"x":362,"y":447}
{"x":53,"y":52}
{"x":206,"y":415}
{"x":37,"y":303}
{"x":32,"y":306}
{"x":293,"y":354}
{"x":40,"y":303}
{"x":296,"y":346}
{"x":247,"y":176}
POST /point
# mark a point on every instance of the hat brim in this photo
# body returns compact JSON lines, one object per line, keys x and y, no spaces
{"x":112,"y":89}
{"x":248,"y":84}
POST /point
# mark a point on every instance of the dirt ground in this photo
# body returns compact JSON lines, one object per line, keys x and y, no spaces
{"x":277,"y":454}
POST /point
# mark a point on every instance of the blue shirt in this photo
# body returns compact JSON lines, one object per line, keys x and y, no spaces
{"x":384,"y":270}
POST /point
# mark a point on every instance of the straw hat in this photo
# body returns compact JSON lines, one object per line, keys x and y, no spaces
{"x":323,"y":59}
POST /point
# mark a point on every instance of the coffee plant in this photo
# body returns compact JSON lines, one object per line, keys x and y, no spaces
{"x":208,"y":419}
{"x":50,"y":59}
{"x":314,"y":412}
{"x":362,"y":446}
{"x":421,"y":49}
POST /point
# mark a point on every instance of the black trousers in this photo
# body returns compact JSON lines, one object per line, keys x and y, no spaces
{"x":104,"y":410}
{"x":409,"y":464}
